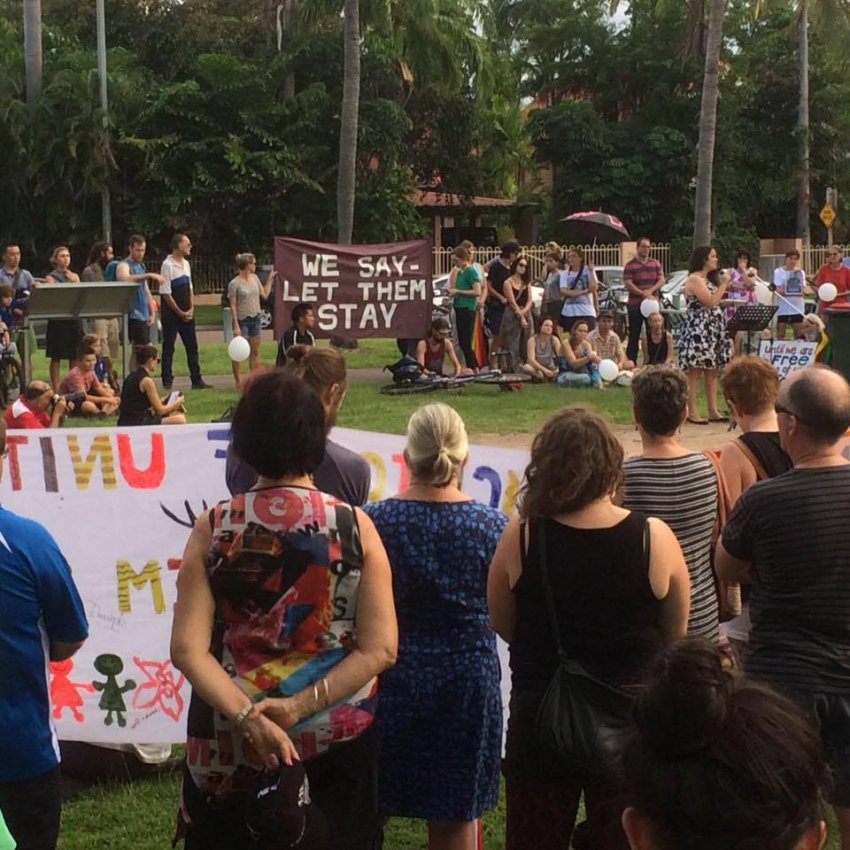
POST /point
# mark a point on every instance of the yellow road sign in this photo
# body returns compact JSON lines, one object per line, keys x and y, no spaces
{"x":827,"y":215}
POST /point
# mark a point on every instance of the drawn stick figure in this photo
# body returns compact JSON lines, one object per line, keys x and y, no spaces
{"x":112,"y":699}
{"x":64,"y":693}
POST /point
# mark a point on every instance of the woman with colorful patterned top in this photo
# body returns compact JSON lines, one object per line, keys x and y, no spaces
{"x":440,"y":543}
{"x":284,"y":619}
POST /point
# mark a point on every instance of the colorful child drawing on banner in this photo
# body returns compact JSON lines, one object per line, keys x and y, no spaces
{"x":160,"y":689}
{"x":64,"y":693}
{"x":112,"y":698}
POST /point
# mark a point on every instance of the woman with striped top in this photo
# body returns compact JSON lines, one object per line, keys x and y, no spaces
{"x":675,"y":484}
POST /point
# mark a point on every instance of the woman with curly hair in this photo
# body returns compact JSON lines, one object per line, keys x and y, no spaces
{"x":620,"y":590}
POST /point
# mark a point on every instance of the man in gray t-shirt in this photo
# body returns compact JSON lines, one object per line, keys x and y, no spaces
{"x":12,"y":273}
{"x":789,"y":537}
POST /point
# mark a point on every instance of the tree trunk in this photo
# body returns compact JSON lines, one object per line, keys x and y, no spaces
{"x":32,"y":49}
{"x":708,"y":124}
{"x":287,"y":13}
{"x":346,"y":178}
{"x":803,"y":187}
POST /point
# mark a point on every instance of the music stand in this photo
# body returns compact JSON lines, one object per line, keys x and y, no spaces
{"x":749,"y":318}
{"x":105,"y":300}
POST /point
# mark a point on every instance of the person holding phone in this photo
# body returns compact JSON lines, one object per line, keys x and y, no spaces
{"x":140,"y":402}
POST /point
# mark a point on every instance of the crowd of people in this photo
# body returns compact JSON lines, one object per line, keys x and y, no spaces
{"x":680,"y":580}
{"x":572,"y":332}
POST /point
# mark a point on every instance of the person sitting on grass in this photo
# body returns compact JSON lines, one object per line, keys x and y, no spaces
{"x":432,"y":351}
{"x":582,"y":361}
{"x":542,"y":353}
{"x":103,"y":365}
{"x":301,"y":332}
{"x":97,"y":399}
{"x":607,"y":344}
{"x":36,"y":407}
{"x":656,"y":344}
{"x":140,"y":403}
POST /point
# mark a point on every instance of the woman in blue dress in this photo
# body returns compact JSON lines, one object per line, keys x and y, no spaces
{"x":440,"y":713}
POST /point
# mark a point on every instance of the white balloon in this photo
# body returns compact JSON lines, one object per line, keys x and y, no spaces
{"x":239,"y":349}
{"x":608,"y":370}
{"x":648,"y":306}
{"x":827,"y":292}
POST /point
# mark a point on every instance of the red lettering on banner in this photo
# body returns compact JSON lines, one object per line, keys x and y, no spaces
{"x":142,"y":479}
{"x":12,"y":443}
{"x":403,"y":472}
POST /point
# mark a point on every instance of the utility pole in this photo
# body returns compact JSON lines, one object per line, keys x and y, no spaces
{"x":32,"y":50}
{"x":105,"y":201}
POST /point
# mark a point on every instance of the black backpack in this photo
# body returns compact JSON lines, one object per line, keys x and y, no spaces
{"x":406,"y":369}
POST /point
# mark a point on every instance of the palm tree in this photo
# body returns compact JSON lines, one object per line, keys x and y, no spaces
{"x":708,"y":105}
{"x":32,"y":49}
{"x":349,"y":114}
{"x":708,"y":124}
{"x":831,"y":19}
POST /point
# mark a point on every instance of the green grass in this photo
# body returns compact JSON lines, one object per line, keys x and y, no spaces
{"x":141,"y":815}
{"x":485,"y":409}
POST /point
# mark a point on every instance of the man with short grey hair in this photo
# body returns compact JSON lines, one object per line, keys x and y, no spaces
{"x":789,"y":537}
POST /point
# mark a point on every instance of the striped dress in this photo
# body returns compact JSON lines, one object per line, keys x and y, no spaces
{"x":683,"y":492}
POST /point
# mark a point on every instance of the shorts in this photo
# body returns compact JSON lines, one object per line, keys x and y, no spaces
{"x":107,"y":330}
{"x":250,"y":326}
{"x":567,"y":322}
{"x":790,"y":318}
{"x":831,"y":713}
{"x":139,"y":331}
{"x":494,"y":313}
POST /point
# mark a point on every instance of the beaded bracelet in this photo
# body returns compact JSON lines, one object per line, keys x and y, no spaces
{"x":244,"y":714}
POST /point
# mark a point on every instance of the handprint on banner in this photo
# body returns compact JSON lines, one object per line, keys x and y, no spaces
{"x":64,"y":693}
{"x":160,"y":689}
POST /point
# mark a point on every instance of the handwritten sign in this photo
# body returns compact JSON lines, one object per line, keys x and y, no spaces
{"x":121,"y":503}
{"x":358,"y":290}
{"x":788,"y":355}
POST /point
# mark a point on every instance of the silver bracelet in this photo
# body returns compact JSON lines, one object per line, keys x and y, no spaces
{"x":327,"y":690}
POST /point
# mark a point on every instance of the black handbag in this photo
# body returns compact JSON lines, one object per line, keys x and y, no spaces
{"x":580,"y":718}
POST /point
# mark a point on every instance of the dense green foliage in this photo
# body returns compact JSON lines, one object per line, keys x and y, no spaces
{"x":213,"y":129}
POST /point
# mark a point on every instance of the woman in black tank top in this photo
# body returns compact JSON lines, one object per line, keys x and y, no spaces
{"x":618,"y":602}
{"x":140,"y":403}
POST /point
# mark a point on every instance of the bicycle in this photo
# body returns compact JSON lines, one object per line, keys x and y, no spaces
{"x":507,"y":381}
{"x":10,"y":378}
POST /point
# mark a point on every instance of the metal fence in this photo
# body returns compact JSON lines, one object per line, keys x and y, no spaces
{"x":211,"y":274}
{"x":815,"y":256}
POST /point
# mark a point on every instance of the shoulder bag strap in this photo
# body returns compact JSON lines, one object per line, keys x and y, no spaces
{"x":547,"y":587}
{"x":747,"y":452}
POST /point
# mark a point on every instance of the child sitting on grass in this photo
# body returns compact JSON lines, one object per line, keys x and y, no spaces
{"x":99,"y":400}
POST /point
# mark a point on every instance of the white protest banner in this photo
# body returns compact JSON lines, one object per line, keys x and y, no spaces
{"x":787,"y":355}
{"x":120,"y":503}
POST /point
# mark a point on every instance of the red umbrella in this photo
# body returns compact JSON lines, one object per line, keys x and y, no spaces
{"x":598,"y":226}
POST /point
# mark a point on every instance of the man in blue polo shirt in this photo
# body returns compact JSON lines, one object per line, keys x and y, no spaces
{"x":41,"y":620}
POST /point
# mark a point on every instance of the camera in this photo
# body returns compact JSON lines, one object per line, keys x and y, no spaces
{"x":772,"y":287}
{"x":72,"y":400}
